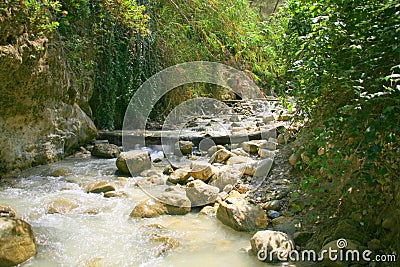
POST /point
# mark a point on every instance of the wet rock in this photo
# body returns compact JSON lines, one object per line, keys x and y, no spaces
{"x":200,"y":193}
{"x":100,"y":187}
{"x":150,"y":181}
{"x":151,"y":177}
{"x":168,"y":243}
{"x":272,"y":214}
{"x":183,"y":148}
{"x":17,"y":241}
{"x":220,"y":156}
{"x":226,"y":176}
{"x":210,"y":211}
{"x":149,"y":208}
{"x":107,"y":151}
{"x":176,"y":203}
{"x":61,"y":206}
{"x":111,"y":194}
{"x":201,"y":171}
{"x":179,"y":176}
{"x":168,"y":170}
{"x":239,"y":214}
{"x":150,"y":172}
{"x":301,"y":238}
{"x":133,"y":162}
{"x":157,"y":160}
{"x":266,"y":244}
{"x":59,"y":172}
{"x":7,"y":211}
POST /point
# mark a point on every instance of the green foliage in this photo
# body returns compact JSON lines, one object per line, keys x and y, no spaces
{"x":342,"y":65}
{"x":213,"y":30}
{"x":104,"y":36}
{"x":41,"y":15}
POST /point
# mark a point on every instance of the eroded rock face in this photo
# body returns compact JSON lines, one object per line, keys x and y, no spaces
{"x":44,"y":112}
{"x":17,"y":241}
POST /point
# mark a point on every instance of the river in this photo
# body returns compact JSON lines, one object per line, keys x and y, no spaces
{"x":99,"y":231}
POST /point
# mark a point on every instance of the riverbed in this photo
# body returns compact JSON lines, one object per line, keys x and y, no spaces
{"x":98,"y":231}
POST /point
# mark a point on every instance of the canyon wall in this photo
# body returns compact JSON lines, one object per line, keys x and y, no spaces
{"x":44,"y":113}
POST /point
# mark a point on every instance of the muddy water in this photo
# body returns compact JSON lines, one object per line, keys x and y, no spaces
{"x":99,"y":232}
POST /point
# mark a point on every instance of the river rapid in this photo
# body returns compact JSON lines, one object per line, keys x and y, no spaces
{"x":98,"y":231}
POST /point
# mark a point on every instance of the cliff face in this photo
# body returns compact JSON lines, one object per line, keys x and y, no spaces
{"x":43,"y":112}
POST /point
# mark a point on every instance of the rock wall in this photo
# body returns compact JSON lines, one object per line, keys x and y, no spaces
{"x":43,"y":111}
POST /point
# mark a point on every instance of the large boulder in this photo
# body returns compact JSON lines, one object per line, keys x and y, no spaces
{"x":17,"y":241}
{"x":148,"y":208}
{"x":271,"y":245}
{"x":176,"y":203}
{"x":107,"y":151}
{"x":173,"y":203}
{"x":100,"y":187}
{"x":239,"y":214}
{"x":61,"y":206}
{"x":200,"y":193}
{"x":134,"y":161}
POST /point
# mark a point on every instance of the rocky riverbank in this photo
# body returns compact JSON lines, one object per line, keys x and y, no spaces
{"x":230,"y":181}
{"x":249,"y":186}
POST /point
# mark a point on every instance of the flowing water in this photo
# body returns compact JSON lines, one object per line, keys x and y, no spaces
{"x":99,"y":231}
